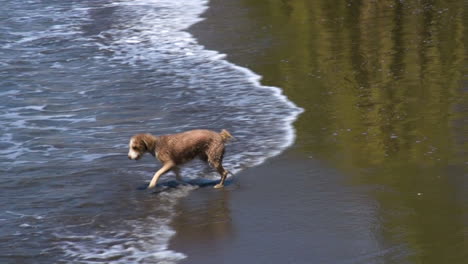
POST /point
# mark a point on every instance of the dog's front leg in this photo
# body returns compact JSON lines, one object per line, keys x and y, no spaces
{"x":176,"y":170}
{"x":158,"y":174}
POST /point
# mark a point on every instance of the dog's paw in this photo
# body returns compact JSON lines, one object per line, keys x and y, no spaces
{"x":218,"y":186}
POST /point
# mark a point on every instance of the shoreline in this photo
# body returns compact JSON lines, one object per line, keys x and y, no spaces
{"x":257,"y":214}
{"x":184,"y":240}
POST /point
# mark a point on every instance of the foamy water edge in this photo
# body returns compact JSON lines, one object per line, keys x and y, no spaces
{"x":255,"y":80}
{"x":197,"y":8}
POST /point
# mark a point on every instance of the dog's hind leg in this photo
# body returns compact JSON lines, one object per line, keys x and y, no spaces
{"x":223,"y":172}
{"x":217,"y":164}
{"x":215,"y":156}
{"x":158,"y":174}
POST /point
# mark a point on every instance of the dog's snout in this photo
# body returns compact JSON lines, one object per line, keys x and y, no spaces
{"x":132,"y":156}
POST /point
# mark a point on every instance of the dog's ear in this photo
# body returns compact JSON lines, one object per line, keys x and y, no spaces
{"x":140,"y":142}
{"x":147,"y":139}
{"x":145,"y":143}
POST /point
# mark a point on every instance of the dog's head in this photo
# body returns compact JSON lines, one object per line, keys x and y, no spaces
{"x":138,"y":145}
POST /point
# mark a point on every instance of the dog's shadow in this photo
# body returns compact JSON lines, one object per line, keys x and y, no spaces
{"x":162,"y":186}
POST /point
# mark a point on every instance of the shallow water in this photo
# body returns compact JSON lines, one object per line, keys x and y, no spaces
{"x":77,"y":79}
{"x":383,"y":85}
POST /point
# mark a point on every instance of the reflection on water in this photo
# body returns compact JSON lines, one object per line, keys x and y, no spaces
{"x":384,"y":88}
{"x":206,"y":215}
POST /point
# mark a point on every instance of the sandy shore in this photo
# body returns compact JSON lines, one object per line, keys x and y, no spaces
{"x":373,"y":176}
{"x":288,"y":210}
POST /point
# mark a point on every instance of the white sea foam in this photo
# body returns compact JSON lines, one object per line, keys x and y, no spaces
{"x":141,"y":241}
{"x":30,"y":107}
{"x":10,"y":92}
{"x":96,"y":156}
{"x":22,"y":215}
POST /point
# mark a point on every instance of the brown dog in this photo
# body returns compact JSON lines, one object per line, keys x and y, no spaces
{"x":177,"y":149}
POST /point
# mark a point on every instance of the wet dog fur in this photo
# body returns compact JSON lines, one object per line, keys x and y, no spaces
{"x":176,"y":149}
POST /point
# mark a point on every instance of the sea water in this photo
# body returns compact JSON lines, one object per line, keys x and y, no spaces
{"x":77,"y":80}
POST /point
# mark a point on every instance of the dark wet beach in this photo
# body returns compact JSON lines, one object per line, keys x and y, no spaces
{"x":378,"y":170}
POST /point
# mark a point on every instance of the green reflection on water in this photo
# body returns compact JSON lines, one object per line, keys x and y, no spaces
{"x":383,"y":86}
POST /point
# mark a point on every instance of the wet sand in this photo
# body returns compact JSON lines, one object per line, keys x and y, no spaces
{"x":289,"y":210}
{"x":374,"y":176}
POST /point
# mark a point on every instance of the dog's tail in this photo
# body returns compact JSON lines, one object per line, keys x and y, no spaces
{"x":225,"y":135}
